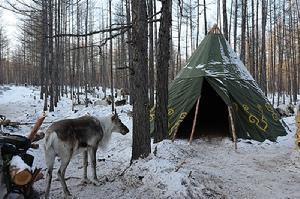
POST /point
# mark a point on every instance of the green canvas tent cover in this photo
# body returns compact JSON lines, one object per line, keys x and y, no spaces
{"x":216,"y":76}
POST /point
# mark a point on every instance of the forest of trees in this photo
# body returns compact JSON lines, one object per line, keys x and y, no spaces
{"x":70,"y":47}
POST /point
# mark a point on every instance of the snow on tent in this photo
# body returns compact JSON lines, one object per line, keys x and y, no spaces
{"x":230,"y":103}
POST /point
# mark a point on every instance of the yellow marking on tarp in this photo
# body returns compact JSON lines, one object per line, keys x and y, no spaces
{"x":262,"y":123}
{"x":171,"y":111}
{"x":152,"y":114}
{"x":270,"y":108}
{"x":176,"y":125}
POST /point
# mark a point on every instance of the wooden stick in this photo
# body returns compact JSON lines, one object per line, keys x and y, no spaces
{"x":38,"y":136}
{"x":36,"y":127}
{"x":174,"y":135}
{"x":232,"y":127}
{"x":195,"y":120}
{"x":180,"y":165}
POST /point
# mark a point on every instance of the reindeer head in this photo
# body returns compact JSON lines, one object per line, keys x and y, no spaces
{"x":118,"y":126}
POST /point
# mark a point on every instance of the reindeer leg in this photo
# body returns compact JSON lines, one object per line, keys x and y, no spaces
{"x":61,"y":175}
{"x":48,"y":179}
{"x":50,"y":158}
{"x":92,"y":154}
{"x":85,"y":179}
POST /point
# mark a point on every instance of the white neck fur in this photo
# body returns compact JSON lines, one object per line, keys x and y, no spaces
{"x":107,"y":128}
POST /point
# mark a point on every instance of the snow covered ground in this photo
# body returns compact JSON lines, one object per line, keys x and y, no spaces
{"x":204,"y":169}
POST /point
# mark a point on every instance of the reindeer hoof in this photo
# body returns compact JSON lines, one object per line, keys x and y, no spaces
{"x":96,"y":182}
{"x":69,"y":196}
{"x":85,"y":181}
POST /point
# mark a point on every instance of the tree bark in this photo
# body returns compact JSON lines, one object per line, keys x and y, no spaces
{"x":111,"y":60}
{"x":243,"y":31}
{"x":85,"y":63}
{"x":205,"y":17}
{"x":235,"y":26}
{"x":151,"y":55}
{"x":225,"y":23}
{"x":163,"y":57}
{"x":263,"y":46}
{"x":141,"y":147}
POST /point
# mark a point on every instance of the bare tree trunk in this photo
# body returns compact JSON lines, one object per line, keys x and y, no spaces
{"x":243,"y":31}
{"x":235,"y":26}
{"x":198,"y":23}
{"x":271,"y":63}
{"x":225,"y":23}
{"x":111,"y":60}
{"x":263,"y":47}
{"x":85,"y":64}
{"x":130,"y":52}
{"x":186,"y":41}
{"x":178,"y":55}
{"x":281,"y":32}
{"x":43,"y":54}
{"x":191,"y":25}
{"x":205,"y":17}
{"x":253,"y":40}
{"x":78,"y":52}
{"x":57,"y":50}
{"x":51,"y":56}
{"x":151,"y":55}
{"x":258,"y":67}
{"x":275,"y":83}
{"x":46,"y":50}
{"x":161,"y":109}
{"x":230,"y":22}
{"x":293,"y":48}
{"x":141,"y":147}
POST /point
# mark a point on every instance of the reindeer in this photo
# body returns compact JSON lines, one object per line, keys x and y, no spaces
{"x":69,"y":137}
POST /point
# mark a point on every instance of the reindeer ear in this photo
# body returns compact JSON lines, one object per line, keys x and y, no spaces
{"x":113,"y":117}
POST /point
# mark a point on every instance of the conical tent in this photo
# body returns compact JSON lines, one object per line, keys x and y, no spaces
{"x":215,"y":75}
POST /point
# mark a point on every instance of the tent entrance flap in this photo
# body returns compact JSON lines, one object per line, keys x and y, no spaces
{"x":212,"y":118}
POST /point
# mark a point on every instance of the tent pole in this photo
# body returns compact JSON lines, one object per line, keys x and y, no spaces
{"x":174,"y":135}
{"x":195,"y":119}
{"x":232,"y":127}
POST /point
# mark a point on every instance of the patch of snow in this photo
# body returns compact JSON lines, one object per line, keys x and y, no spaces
{"x":207,"y":168}
{"x":235,"y":60}
{"x":19,"y":163}
{"x":215,"y":63}
{"x":200,"y":66}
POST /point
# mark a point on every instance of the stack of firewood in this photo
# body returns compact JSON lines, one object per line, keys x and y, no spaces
{"x":19,"y":169}
{"x":20,"y":172}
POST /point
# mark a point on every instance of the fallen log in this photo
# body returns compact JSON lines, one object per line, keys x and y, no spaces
{"x":6,"y":123}
{"x":19,"y":171}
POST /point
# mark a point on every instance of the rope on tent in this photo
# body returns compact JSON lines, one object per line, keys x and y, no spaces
{"x":195,"y":119}
{"x":232,"y":127}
